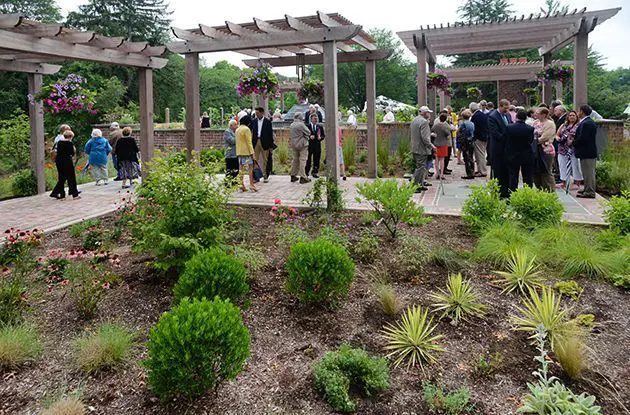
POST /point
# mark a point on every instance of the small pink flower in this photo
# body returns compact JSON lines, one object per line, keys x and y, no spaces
{"x":277,"y":201}
{"x":274,"y":208}
{"x":106,"y":285}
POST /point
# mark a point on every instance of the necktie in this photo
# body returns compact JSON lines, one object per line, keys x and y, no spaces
{"x":505,"y":119}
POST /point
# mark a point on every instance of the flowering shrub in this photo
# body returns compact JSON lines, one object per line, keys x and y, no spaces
{"x":260,"y":80}
{"x":311,"y":90}
{"x":438,"y":80}
{"x":66,"y":95}
{"x":473,"y":93}
{"x":17,"y":243}
{"x":555,"y":72}
{"x":281,"y":213}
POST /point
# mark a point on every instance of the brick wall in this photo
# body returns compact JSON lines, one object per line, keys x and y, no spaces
{"x":512,"y":90}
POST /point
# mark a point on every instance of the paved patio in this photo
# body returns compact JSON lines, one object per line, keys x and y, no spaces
{"x":48,"y":214}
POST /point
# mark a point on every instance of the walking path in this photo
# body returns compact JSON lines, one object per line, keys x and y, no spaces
{"x":47,"y":214}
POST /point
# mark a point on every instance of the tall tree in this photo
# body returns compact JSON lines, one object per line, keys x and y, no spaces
{"x":484,"y":11}
{"x":45,"y":11}
{"x":137,"y":20}
{"x":553,"y":6}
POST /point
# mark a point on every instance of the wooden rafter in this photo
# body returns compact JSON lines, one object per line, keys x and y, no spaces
{"x":241,"y":31}
{"x":28,"y":67}
{"x":328,"y":21}
{"x":318,"y":59}
{"x":562,"y":38}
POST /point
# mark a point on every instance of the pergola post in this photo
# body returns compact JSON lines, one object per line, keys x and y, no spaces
{"x":36,"y":118}
{"x":421,"y":57}
{"x":580,"y":69}
{"x":331,"y":105}
{"x":145,"y":81}
{"x":370,"y":90}
{"x":265,"y":105}
{"x":432,"y":91}
{"x":559,"y":90}
{"x":281,"y":101}
{"x":547,"y":86}
{"x":193,"y":128}
{"x":167,"y":116}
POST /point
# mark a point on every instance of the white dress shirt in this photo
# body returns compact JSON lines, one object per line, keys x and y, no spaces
{"x":260,"y":125}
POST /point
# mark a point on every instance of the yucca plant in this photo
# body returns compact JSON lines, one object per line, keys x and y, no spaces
{"x":459,"y":300}
{"x":544,"y":310}
{"x":522,"y":272}
{"x":411,"y":339}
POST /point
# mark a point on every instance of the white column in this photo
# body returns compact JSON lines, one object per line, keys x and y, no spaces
{"x":36,"y":118}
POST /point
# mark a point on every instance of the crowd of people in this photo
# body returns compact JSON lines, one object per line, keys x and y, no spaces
{"x":543,"y":146}
{"x":120,"y":144}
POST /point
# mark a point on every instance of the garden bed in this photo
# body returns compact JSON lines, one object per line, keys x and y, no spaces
{"x":288,"y":337}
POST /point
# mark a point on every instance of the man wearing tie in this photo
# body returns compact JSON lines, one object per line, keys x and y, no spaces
{"x":585,"y":145}
{"x":262,"y":140}
{"x":498,"y":120}
{"x":314,"y":146}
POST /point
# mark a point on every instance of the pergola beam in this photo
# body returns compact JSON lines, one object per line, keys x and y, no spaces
{"x":10,"y":20}
{"x":40,"y":30}
{"x":318,"y":59}
{"x":270,"y":40}
{"x":20,"y":42}
{"x":267,"y":27}
{"x":422,"y":42}
{"x":330,"y":22}
{"x":298,"y":25}
{"x":28,"y":67}
{"x":243,"y":32}
{"x":561,"y":39}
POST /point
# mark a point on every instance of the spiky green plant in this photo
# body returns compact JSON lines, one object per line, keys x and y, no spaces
{"x":411,"y":339}
{"x":499,"y":242}
{"x":522,"y":272}
{"x":388,"y":298}
{"x":546,"y":311}
{"x":459,"y":300}
{"x":584,"y":259}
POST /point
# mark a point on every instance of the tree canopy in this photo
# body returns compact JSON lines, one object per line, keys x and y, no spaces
{"x":45,"y":11}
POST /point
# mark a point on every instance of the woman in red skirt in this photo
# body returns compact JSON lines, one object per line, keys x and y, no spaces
{"x":442,"y":130}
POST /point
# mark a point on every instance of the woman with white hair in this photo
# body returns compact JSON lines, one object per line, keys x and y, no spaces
{"x":389,"y":116}
{"x":97,"y":148}
{"x":231,"y":159}
{"x":352,"y":119}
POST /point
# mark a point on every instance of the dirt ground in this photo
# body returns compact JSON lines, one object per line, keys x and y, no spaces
{"x":288,"y":337}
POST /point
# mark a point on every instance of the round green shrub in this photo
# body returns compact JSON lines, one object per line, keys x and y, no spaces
{"x":319,"y":270}
{"x":196,"y":346}
{"x":536,"y":208}
{"x":24,"y":183}
{"x":210,"y":274}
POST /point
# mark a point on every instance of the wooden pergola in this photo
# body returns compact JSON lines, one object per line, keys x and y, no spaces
{"x":516,"y":71}
{"x":28,"y":46}
{"x":318,"y":39}
{"x":548,"y":33}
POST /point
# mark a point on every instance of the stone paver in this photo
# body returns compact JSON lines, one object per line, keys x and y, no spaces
{"x":48,"y":214}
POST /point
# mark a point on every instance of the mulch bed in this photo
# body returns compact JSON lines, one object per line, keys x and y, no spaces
{"x":288,"y":337}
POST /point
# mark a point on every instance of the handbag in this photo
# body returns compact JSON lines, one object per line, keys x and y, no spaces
{"x":549,"y":149}
{"x":258,"y":173}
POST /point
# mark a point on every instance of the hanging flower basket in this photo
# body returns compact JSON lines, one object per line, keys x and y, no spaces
{"x":312,"y":90}
{"x":473,"y":93}
{"x":259,"y":80}
{"x":530,"y":91}
{"x":555,"y":72}
{"x":438,"y":80}
{"x":68,"y":95}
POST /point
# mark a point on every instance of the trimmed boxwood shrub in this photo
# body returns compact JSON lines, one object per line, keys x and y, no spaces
{"x":319,"y":270}
{"x":210,"y":274}
{"x":536,"y":208}
{"x":196,"y":346}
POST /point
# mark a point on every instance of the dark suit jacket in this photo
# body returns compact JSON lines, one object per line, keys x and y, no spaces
{"x":560,"y":121}
{"x":319,"y":130}
{"x":307,"y":117}
{"x":496,"y":135}
{"x":266,"y":135}
{"x":585,"y":142}
{"x":518,"y":143}
{"x":481,"y":125}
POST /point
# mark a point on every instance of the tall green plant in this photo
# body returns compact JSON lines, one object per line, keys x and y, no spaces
{"x":536,"y":208}
{"x":349,"y":148}
{"x":382,"y":152}
{"x":484,"y":207}
{"x":15,"y":143}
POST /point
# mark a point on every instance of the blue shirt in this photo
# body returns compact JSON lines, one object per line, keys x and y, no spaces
{"x":97,"y":148}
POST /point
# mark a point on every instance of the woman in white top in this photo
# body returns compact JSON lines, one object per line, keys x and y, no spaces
{"x":352,"y":119}
{"x":389,"y":116}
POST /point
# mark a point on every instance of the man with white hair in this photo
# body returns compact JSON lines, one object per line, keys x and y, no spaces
{"x":483,"y":106}
{"x":241,"y":114}
{"x":114,"y":134}
{"x":312,"y":109}
{"x":480,"y":120}
{"x":421,"y":147}
{"x":300,"y":135}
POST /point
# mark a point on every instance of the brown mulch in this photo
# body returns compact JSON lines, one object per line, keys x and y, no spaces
{"x":288,"y":337}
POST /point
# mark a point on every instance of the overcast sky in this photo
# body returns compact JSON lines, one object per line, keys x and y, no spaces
{"x":610,"y":39}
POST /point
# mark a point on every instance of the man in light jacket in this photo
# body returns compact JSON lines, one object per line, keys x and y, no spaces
{"x":421,"y":146}
{"x":300,"y":135}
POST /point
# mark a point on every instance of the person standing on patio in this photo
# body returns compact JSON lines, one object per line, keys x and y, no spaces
{"x":301,"y":137}
{"x":262,"y":140}
{"x":586,"y":150}
{"x":352,"y":119}
{"x":53,"y":151}
{"x":421,"y":146}
{"x":229,"y":145}
{"x":65,"y":167}
{"x":480,"y":120}
{"x":114,"y":135}
{"x":389,"y":116}
{"x":313,"y":110}
{"x":205,"y":120}
{"x":442,"y":130}
{"x":127,"y":152}
{"x":519,"y":152}
{"x":545,"y":132}
{"x":567,"y":162}
{"x":498,"y":120}
{"x":465,"y":135}
{"x":245,"y":152}
{"x":97,"y":148}
{"x":316,"y":136}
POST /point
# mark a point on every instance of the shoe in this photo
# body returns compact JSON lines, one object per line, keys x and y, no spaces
{"x":427,"y":184}
{"x":315,"y":176}
{"x":117,"y":179}
{"x":98,"y":182}
{"x":54,"y":196}
{"x":126,"y":187}
{"x":430,"y":174}
{"x":294,"y":179}
{"x":468,"y":177}
{"x":580,"y":192}
{"x":266,"y":180}
{"x":344,"y":177}
{"x":448,"y":171}
{"x":480,"y":175}
{"x":460,"y":163}
{"x":420,"y":189}
{"x":106,"y":183}
{"x":253,"y":189}
{"x":586,"y":196}
{"x":303,"y":180}
{"x":77,"y":197}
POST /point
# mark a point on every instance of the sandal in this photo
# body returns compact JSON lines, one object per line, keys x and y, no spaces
{"x":253,"y":189}
{"x":243,"y":189}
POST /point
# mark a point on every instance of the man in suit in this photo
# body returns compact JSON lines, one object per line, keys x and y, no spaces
{"x":559,"y":118}
{"x":480,"y":120}
{"x":262,"y":140}
{"x":421,"y":146}
{"x":519,"y":152}
{"x":585,"y":145}
{"x":498,"y":121}
{"x":314,"y":146}
{"x":312,"y":109}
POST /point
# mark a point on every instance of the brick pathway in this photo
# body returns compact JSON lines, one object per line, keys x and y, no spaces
{"x":48,"y":214}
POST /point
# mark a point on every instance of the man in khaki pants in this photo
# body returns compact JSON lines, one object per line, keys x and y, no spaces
{"x":300,"y":135}
{"x":480,"y":120}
